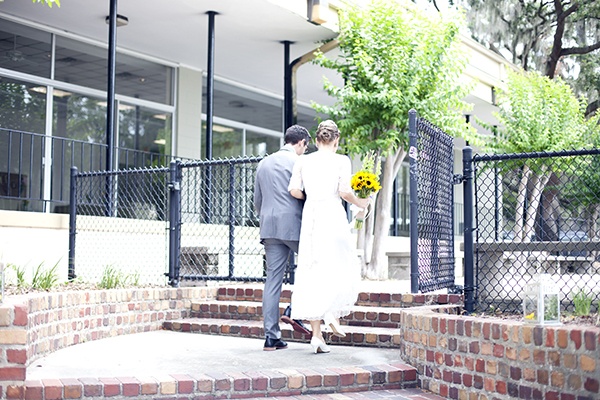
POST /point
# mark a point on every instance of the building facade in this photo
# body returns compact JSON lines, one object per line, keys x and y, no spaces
{"x":173,"y":60}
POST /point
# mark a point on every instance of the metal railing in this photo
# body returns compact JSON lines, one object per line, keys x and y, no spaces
{"x":35,"y":168}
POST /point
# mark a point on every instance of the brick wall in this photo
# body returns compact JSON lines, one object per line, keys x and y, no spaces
{"x":35,"y":325}
{"x":464,"y":357}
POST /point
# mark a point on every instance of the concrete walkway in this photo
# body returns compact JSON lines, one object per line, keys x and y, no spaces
{"x":157,"y":352}
{"x":165,"y":352}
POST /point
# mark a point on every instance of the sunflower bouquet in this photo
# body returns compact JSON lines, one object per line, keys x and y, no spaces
{"x":365,"y":183}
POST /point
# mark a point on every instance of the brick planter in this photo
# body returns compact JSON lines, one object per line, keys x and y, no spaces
{"x":34,"y":325}
{"x":463,"y":357}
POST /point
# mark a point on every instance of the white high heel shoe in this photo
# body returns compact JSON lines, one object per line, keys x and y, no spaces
{"x":335,"y":326}
{"x":319,"y":346}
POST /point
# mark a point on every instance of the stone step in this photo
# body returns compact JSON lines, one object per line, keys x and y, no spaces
{"x":385,"y":317}
{"x":271,"y":383}
{"x":376,"y":299}
{"x":355,"y":335}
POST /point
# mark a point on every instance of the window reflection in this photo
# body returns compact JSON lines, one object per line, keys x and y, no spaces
{"x":259,"y":145}
{"x":25,"y":49}
{"x":227,"y":142}
{"x":79,"y":117}
{"x":86,"y":65}
{"x":21,"y":106}
{"x":144,"y":130}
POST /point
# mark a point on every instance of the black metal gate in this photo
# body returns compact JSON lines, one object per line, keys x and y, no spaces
{"x":431,"y":206}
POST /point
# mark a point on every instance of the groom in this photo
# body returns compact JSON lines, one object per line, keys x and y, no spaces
{"x":280,"y":216}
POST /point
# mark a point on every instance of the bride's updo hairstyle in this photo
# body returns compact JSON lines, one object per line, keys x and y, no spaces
{"x":327,"y":131}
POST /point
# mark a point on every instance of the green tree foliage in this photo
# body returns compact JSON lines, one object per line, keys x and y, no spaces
{"x":557,"y":38}
{"x":393,"y":56}
{"x":49,"y":3}
{"x":538,"y":114}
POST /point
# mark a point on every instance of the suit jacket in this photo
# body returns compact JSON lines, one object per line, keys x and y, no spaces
{"x":280,"y":213}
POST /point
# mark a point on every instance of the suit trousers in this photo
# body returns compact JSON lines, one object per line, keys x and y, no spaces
{"x":277,"y":252}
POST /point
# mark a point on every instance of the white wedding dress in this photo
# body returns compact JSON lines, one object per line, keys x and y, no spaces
{"x":328,"y":273}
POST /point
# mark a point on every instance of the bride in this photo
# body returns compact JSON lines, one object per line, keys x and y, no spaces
{"x":328,"y":272}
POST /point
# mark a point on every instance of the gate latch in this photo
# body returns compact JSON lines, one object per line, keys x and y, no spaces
{"x":457,"y":179}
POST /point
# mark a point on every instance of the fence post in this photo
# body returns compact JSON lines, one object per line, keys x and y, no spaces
{"x":231,"y":219}
{"x":414,"y":201}
{"x":468,"y":228}
{"x":72,"y":222}
{"x":174,"y":186}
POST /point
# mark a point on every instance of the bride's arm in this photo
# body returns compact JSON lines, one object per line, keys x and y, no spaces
{"x":351,"y":198}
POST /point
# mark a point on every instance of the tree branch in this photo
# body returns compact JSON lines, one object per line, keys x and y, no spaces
{"x":580,"y":50}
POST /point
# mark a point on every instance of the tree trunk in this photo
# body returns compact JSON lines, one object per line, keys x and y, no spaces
{"x":374,"y":265}
{"x":535,"y":196}
{"x":520,"y":210}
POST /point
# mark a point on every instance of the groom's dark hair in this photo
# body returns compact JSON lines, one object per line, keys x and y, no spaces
{"x":296,"y":133}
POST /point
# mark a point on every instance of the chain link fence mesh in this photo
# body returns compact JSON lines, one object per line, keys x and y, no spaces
{"x":537,"y":213}
{"x":219,"y":226}
{"x":435,"y":192}
{"x":121,"y":226}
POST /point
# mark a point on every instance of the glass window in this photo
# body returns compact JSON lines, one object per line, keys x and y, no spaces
{"x":79,"y":117}
{"x":22,"y":106}
{"x":244,"y":106}
{"x":227,"y":141}
{"x":22,"y":119}
{"x":307,"y":117}
{"x":87,"y":65}
{"x":25,"y":49}
{"x":146,"y":131}
{"x":258,"y":144}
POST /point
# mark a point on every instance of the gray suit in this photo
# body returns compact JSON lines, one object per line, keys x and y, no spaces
{"x":280,"y":217}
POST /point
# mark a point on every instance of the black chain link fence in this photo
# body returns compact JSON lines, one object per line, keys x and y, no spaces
{"x":190,"y":222}
{"x":432,"y":206}
{"x":219,"y":227}
{"x":537,"y":213}
{"x":120,"y":227}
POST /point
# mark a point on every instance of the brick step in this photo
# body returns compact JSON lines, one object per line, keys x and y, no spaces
{"x":253,"y":293}
{"x":355,"y":335}
{"x":385,"y":317}
{"x":230,"y":385}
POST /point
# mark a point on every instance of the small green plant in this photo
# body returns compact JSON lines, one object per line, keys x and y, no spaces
{"x":583,"y":303}
{"x":112,"y":278}
{"x":551,"y":308}
{"x":20,"y":273}
{"x":44,"y":279}
{"x":134,"y":279}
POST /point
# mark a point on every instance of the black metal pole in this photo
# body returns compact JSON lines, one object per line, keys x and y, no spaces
{"x":414,"y":202}
{"x":174,"y":222}
{"x":496,"y":199}
{"x":288,"y":115}
{"x":110,"y":105}
{"x":72,"y":222}
{"x":210,"y":95}
{"x":110,"y":92}
{"x":210,"y":80}
{"x":468,"y":233}
{"x":232,"y":196}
